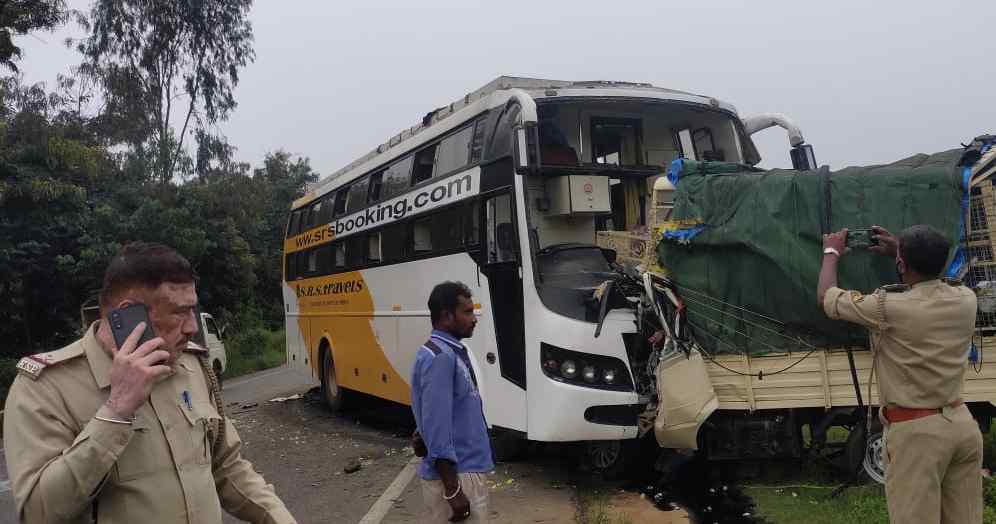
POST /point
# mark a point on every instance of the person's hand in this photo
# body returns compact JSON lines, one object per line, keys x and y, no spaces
{"x":460,"y":506}
{"x":836,"y":241}
{"x":134,"y":371}
{"x":656,"y":339}
{"x":887,"y":246}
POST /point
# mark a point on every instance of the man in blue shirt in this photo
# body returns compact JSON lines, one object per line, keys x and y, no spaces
{"x":449,"y":414}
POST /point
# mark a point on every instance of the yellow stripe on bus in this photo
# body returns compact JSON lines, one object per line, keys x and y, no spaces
{"x":310,"y":238}
{"x":332,"y":308}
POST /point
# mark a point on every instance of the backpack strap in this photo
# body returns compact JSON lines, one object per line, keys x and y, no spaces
{"x":431,"y":346}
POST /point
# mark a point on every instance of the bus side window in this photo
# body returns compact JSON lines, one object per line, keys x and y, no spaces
{"x":357,"y":195}
{"x":356,"y":251}
{"x":340,"y":202}
{"x":422,"y":235}
{"x":326,"y":214}
{"x":312,"y":267}
{"x":290,"y":270}
{"x":313,"y":214}
{"x":374,"y":253}
{"x":295,"y":220}
{"x":339,"y":250}
{"x":396,"y":178}
{"x":502,"y":244}
{"x":471,"y":224}
{"x":324,"y":259}
{"x":376,"y":185}
{"x":424,"y":162}
{"x":394,"y":240}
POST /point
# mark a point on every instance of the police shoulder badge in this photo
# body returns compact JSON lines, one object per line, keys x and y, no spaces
{"x":32,"y":366}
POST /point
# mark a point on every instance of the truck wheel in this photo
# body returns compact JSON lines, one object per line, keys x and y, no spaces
{"x":217,"y":371}
{"x":874,"y":461}
{"x":334,"y":394}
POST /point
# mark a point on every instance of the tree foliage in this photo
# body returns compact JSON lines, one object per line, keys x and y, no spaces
{"x":67,"y":204}
{"x":101,"y":161}
{"x":166,"y":65}
{"x":18,"y":17}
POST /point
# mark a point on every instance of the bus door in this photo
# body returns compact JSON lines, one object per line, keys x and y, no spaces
{"x":504,"y":364}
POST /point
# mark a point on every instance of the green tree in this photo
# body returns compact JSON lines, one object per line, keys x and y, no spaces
{"x":46,"y":168}
{"x":19,"y":17}
{"x":165,"y":64}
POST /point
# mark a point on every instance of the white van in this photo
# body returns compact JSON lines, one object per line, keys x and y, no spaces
{"x":211,"y":337}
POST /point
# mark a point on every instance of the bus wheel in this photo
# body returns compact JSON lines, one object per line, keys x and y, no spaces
{"x":507,"y":446}
{"x":611,"y":458}
{"x":334,"y":393}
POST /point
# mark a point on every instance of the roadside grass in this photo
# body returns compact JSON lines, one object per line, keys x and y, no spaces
{"x":255,"y":349}
{"x":594,"y":508}
{"x":805,"y":497}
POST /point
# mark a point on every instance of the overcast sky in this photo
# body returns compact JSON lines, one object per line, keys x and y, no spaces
{"x":868,"y":82}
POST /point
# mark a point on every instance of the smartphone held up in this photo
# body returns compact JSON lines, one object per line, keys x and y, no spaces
{"x":124,"y":320}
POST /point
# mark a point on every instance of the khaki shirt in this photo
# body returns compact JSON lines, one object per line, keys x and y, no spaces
{"x":921,"y":337}
{"x":67,"y":466}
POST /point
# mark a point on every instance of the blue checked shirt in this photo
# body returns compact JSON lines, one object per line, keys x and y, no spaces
{"x":448,"y":410}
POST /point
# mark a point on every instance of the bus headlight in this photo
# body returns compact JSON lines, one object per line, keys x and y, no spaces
{"x":584,"y":369}
{"x":569,"y":369}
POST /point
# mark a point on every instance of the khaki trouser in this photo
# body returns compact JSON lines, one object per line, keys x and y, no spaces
{"x":438,"y":511}
{"x":934,"y":469}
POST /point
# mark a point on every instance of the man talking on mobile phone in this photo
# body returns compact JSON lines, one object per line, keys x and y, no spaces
{"x":95,"y":432}
{"x":452,"y":434}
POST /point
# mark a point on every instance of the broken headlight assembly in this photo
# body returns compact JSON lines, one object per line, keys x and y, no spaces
{"x":585,"y":369}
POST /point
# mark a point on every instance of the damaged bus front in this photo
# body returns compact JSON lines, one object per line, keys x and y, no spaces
{"x":589,"y":164}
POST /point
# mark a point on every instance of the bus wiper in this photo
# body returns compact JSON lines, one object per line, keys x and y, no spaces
{"x":603,"y":304}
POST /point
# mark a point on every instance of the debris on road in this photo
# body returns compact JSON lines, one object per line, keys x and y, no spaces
{"x":285,"y":399}
{"x":352,"y":466}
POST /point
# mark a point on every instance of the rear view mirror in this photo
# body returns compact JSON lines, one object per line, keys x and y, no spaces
{"x":803,"y":158}
{"x":610,"y":255}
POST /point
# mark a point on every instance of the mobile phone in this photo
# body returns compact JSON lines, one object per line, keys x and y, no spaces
{"x":861,"y":238}
{"x":124,"y":320}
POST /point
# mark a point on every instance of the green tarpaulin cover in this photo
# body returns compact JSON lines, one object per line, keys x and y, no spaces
{"x":749,"y":272}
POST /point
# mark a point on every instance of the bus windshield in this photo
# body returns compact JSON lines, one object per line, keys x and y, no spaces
{"x":599,"y":162}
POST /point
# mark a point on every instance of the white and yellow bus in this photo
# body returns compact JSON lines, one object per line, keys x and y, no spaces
{"x":506,"y":191}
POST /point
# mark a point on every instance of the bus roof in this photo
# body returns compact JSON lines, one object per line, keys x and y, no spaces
{"x":477,"y":101}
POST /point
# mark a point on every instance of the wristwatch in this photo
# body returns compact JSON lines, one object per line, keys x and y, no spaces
{"x":831,"y":251}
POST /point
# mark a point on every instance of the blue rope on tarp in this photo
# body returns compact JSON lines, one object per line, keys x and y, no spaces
{"x":684,"y":235}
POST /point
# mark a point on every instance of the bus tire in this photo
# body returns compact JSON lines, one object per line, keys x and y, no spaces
{"x":332,"y":392}
{"x":507,"y":446}
{"x":610,"y":458}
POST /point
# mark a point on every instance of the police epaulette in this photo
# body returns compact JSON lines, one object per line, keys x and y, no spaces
{"x":895,"y":288}
{"x":32,"y":366}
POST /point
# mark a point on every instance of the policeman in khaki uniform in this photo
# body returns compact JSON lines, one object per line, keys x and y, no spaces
{"x":131,"y":435}
{"x":921,"y":332}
